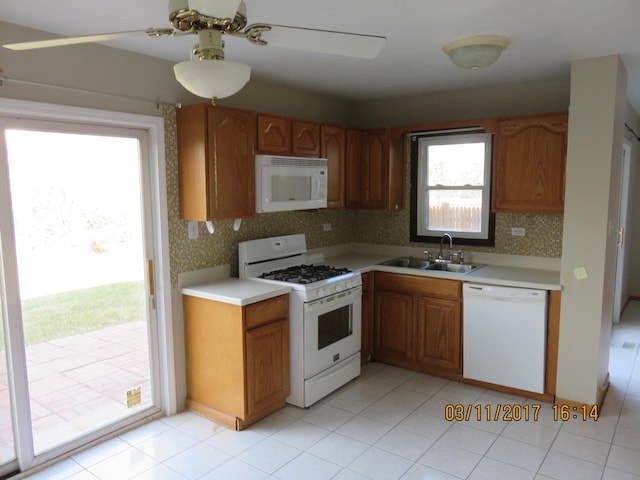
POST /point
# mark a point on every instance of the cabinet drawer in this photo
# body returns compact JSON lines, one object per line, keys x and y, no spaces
{"x":266,"y":311}
{"x":409,"y":284}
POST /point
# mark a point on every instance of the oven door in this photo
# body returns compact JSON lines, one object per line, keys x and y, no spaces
{"x":332,"y":328}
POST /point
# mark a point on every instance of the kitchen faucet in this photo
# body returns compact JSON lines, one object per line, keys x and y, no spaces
{"x":440,"y":257}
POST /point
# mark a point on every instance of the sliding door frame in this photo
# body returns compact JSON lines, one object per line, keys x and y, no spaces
{"x":161,"y":334}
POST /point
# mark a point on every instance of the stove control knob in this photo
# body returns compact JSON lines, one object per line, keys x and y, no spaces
{"x":339,"y":287}
{"x":329,"y":290}
{"x":320,"y":292}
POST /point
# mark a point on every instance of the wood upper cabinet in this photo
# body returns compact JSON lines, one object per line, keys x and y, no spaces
{"x":237,"y":358}
{"x":375,"y":168}
{"x":529,"y":164}
{"x":274,"y":134}
{"x":354,"y":182}
{"x":216,"y":150}
{"x":398,"y":148}
{"x":417,"y":323}
{"x":285,"y":136}
{"x":333,"y":148}
{"x":305,"y":138}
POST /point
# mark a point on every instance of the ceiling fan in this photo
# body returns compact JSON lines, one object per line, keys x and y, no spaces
{"x":208,"y":74}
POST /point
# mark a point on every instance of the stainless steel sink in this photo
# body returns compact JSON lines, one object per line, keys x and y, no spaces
{"x":453,"y":267}
{"x":408,"y":262}
{"x":416,"y":263}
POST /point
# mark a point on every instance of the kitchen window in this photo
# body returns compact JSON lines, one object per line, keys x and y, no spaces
{"x":451,"y":187}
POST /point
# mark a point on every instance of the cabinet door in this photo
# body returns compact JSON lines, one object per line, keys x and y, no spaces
{"x":375,"y":168}
{"x":231,"y":174}
{"x":274,"y":134}
{"x":333,"y":148}
{"x":397,"y":138}
{"x":354,"y":169}
{"x":392,"y":326}
{"x":305,"y":138}
{"x":193,"y":138}
{"x":267,"y":363}
{"x":367,"y":318}
{"x":530,"y":164}
{"x":215,"y":368}
{"x":437,"y":333}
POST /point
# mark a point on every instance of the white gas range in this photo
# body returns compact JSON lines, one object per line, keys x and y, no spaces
{"x":324,"y":313}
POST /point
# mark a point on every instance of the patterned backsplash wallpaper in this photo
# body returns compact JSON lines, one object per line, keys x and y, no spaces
{"x":543,"y":232}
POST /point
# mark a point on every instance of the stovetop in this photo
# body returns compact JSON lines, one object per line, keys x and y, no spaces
{"x":304,"y":274}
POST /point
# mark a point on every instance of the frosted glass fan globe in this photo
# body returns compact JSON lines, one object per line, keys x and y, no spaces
{"x":212,"y":78}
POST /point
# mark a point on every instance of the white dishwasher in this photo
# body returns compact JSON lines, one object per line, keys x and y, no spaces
{"x":505,"y":335}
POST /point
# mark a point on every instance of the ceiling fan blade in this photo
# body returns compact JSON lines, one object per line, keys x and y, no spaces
{"x":320,"y":41}
{"x":216,"y":8}
{"x":58,"y":42}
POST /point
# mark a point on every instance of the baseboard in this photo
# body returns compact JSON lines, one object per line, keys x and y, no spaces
{"x":577,"y":406}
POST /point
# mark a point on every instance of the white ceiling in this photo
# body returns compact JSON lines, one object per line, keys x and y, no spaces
{"x":546,"y":36}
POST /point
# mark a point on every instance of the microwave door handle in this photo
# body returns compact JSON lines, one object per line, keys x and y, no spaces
{"x":315,"y":187}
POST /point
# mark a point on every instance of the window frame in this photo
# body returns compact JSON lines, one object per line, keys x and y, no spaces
{"x":488,"y":238}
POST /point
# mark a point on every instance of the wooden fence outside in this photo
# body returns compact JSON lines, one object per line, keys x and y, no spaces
{"x":446,"y":216}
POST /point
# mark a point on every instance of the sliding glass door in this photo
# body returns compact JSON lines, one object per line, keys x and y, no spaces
{"x":77,"y":247}
{"x":7,"y":450}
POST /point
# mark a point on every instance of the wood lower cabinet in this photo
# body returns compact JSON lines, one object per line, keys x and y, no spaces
{"x":393,"y":327}
{"x":216,"y":150}
{"x":366,"y":347}
{"x":529,"y":164}
{"x":237,"y":358}
{"x":417,"y":323}
{"x":437,"y":329}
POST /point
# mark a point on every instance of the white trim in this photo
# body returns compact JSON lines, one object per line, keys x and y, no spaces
{"x":154,"y":126}
{"x":423,"y":188}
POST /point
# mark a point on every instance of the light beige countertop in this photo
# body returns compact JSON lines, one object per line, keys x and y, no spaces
{"x":488,"y":274}
{"x":235,"y":291}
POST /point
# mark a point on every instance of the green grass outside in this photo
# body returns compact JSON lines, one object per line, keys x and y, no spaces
{"x":81,"y":311}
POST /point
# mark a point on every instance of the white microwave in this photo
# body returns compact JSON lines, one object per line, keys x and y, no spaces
{"x":290,"y":183}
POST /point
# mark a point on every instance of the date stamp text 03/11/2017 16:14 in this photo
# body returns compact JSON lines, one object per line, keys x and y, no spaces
{"x":515,"y":412}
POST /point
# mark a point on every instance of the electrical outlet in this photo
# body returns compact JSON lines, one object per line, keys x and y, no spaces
{"x":192,"y":227}
{"x":517,"y":232}
{"x":326,"y":227}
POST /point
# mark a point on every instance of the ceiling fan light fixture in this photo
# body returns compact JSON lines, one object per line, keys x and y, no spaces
{"x":212,"y":78}
{"x":477,"y":51}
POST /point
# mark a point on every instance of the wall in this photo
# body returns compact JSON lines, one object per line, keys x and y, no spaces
{"x":596,"y":124}
{"x":633,"y":228}
{"x":501,"y":101}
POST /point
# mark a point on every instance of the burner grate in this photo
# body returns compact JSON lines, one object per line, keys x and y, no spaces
{"x":304,"y":274}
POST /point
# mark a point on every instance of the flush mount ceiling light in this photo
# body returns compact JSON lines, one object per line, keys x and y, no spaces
{"x":477,"y":51}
